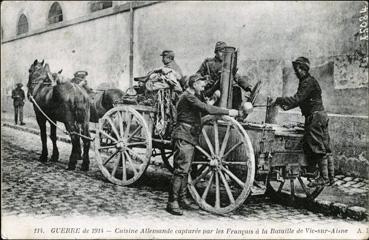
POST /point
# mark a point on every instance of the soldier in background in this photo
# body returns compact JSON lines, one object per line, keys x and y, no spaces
{"x":18,"y":102}
{"x":80,"y":79}
{"x":211,"y":68}
{"x":316,"y":138}
{"x":169,"y":62}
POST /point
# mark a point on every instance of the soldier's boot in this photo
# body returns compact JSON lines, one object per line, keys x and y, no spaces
{"x":311,"y":169}
{"x":184,"y":202}
{"x":15,"y":116}
{"x":21,"y":116}
{"x":175,"y":186}
{"x":323,"y":169}
{"x":330,"y":160}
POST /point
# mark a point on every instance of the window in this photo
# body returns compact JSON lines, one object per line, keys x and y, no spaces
{"x":22,"y":26}
{"x":55,"y":13}
{"x":99,"y":5}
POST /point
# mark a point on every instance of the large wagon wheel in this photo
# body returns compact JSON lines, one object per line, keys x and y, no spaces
{"x":224,"y":165}
{"x":123,"y":153}
{"x":292,"y":189}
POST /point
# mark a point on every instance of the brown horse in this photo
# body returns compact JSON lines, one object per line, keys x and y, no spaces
{"x":65,"y":102}
{"x":100,"y":101}
{"x":104,"y":101}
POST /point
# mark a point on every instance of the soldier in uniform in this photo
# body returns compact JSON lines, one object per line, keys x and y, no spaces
{"x":212,"y":69}
{"x":316,"y":138}
{"x":169,"y":62}
{"x":185,"y":136}
{"x":80,"y":79}
{"x":18,"y":102}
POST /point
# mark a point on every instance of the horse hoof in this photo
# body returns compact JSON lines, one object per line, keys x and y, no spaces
{"x":71,"y":168}
{"x":43,"y":159}
{"x":84,"y":168}
{"x":54,"y":158}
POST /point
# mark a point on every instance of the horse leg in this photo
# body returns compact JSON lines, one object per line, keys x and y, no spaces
{"x":42,"y":124}
{"x":76,"y":146}
{"x":86,"y":147}
{"x":55,"y":156}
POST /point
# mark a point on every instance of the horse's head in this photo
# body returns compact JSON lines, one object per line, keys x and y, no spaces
{"x":58,"y":78}
{"x":38,"y":73}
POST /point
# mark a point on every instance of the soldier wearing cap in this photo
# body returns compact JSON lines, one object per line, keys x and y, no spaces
{"x":80,"y":79}
{"x":185,"y":136}
{"x":169,"y":62}
{"x":212,"y":69}
{"x":316,"y":138}
{"x":18,"y":102}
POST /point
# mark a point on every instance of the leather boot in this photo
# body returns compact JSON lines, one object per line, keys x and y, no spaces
{"x":184,"y":202}
{"x":323,"y":169}
{"x":311,"y":169}
{"x":330,"y":169}
{"x":175,"y":186}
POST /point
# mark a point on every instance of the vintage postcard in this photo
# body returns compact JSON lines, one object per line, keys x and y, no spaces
{"x":184,"y":120}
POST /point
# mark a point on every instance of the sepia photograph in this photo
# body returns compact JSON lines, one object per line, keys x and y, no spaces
{"x":184,"y":120}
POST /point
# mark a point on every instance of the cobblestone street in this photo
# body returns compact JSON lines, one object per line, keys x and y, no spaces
{"x":30,"y":188}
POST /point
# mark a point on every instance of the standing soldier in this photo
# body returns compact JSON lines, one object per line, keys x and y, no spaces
{"x":212,"y":69}
{"x":316,"y":138}
{"x":18,"y":102}
{"x":185,"y":136}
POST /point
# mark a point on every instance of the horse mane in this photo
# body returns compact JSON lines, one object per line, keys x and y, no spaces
{"x":58,"y":79}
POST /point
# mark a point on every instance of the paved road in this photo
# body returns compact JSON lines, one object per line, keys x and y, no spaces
{"x":31,"y":188}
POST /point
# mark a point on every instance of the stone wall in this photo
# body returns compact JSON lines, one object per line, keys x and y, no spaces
{"x":268,"y":35}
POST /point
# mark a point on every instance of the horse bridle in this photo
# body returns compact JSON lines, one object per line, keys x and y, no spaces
{"x":34,"y":84}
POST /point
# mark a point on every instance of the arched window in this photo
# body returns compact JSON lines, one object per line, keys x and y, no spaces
{"x":55,"y":13}
{"x":22,"y":26}
{"x":99,"y":5}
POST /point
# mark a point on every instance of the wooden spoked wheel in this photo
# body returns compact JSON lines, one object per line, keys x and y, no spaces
{"x":224,"y":165}
{"x":167,"y":157}
{"x":123,"y":145}
{"x":291,"y":189}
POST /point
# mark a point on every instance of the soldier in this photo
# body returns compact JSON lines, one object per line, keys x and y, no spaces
{"x":80,"y":79}
{"x":185,"y":136}
{"x":169,"y":62}
{"x":316,"y":138}
{"x":212,"y":69}
{"x":18,"y":102}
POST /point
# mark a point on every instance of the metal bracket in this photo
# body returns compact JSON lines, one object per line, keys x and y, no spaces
{"x":292,"y":170}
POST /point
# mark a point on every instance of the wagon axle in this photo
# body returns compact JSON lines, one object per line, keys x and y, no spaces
{"x":121,"y":145}
{"x":215,"y":161}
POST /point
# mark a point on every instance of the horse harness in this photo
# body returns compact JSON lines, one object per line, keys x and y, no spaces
{"x":37,"y":81}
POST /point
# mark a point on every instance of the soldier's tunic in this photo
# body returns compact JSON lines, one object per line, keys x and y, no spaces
{"x":18,"y":102}
{"x":173,"y":65}
{"x":213,"y":68}
{"x":309,"y":98}
{"x":186,"y":133}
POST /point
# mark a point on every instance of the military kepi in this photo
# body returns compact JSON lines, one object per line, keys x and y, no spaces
{"x":194,"y":78}
{"x":169,"y":53}
{"x":81,"y":74}
{"x":302,"y":61}
{"x":219,"y":46}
